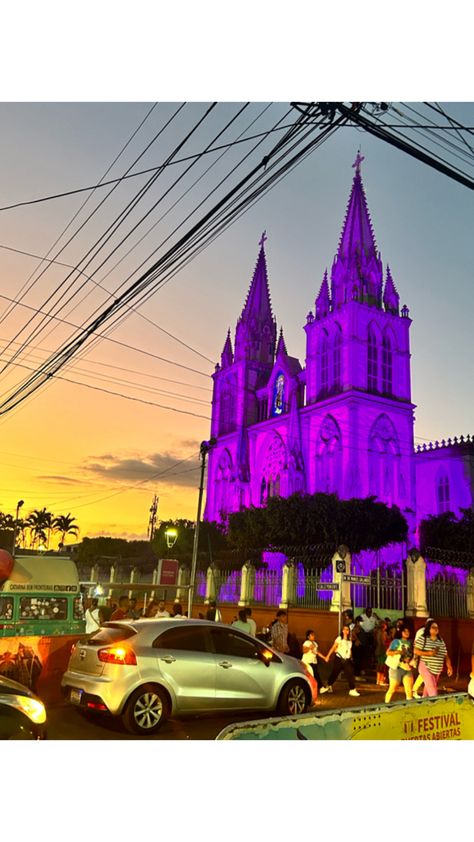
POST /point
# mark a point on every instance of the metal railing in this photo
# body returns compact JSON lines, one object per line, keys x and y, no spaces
{"x":448,"y":597}
{"x":267,"y":589}
{"x":308,"y":591}
{"x":386,"y":592}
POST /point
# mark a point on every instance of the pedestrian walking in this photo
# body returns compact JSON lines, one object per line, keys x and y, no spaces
{"x":368,"y":624}
{"x":381,"y":642}
{"x":177,"y":612}
{"x":399,"y":661}
{"x":419,"y":637}
{"x":432,"y":654}
{"x":310,"y":656}
{"x":342,"y":649}
{"x":279,"y":632}
{"x":93,"y":617}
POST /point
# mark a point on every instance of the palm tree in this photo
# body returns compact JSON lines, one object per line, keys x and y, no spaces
{"x":40,"y":523}
{"x":65,"y":525}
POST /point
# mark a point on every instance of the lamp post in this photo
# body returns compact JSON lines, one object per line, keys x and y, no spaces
{"x":18,"y":507}
{"x":204,"y":450}
{"x":171,"y":535}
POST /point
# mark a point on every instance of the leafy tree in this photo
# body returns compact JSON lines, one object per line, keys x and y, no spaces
{"x":447,"y":532}
{"x":302,"y":521}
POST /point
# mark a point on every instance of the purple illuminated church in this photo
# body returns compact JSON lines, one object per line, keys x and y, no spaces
{"x":343,"y":421}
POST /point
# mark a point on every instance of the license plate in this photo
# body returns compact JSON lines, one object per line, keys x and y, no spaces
{"x":75,"y":696}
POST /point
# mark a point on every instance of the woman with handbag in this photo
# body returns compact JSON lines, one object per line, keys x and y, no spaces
{"x":432,"y":653}
{"x":399,"y":656}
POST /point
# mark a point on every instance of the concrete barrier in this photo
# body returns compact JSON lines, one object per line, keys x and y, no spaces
{"x":440,"y":718}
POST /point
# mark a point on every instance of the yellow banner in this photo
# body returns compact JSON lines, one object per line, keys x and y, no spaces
{"x":441,"y":718}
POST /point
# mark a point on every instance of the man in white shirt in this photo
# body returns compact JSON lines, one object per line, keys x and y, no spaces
{"x":251,"y":621}
{"x":161,"y":610}
{"x":92,"y":617}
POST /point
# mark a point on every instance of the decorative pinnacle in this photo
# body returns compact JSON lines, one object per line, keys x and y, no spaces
{"x":358,"y":161}
{"x":263,"y":238}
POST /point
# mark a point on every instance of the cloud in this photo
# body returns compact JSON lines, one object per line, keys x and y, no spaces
{"x":162,"y":466}
{"x":63,"y":480}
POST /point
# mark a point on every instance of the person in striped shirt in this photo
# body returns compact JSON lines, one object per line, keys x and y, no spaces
{"x":432,"y":652}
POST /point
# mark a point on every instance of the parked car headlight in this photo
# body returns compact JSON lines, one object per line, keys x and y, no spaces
{"x":33,"y":708}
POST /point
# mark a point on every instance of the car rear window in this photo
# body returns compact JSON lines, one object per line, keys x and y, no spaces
{"x":111,"y":634}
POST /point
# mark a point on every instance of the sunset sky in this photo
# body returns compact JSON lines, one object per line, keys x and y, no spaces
{"x":101,"y":457}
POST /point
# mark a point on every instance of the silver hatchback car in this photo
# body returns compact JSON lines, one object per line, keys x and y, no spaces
{"x":148,"y":670}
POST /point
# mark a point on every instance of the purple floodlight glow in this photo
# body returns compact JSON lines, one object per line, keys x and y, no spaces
{"x":344,"y":422}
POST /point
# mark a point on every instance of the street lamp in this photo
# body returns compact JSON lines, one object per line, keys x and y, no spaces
{"x":171,"y":535}
{"x":18,"y":507}
{"x":204,"y":450}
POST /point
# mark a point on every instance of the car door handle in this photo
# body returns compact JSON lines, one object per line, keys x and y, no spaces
{"x":168,"y":659}
{"x":225,"y":664}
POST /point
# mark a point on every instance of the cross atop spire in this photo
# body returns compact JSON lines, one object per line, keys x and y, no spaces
{"x":262,"y":240}
{"x":358,"y":161}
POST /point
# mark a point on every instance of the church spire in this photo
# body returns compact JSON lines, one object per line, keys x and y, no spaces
{"x":227,"y":356}
{"x":357,"y":235}
{"x":255,"y":335}
{"x":281,"y":347}
{"x":391,"y":298}
{"x":258,"y":303}
{"x":322,"y":303}
{"x":357,"y":271}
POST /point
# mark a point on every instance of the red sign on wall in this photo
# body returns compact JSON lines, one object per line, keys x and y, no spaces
{"x":168,"y":572}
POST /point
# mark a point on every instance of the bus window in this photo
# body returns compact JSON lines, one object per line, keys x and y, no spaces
{"x":43,"y":608}
{"x":6,"y":608}
{"x":78,"y":608}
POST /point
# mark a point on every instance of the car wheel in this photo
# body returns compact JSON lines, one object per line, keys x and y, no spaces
{"x":293,"y":699}
{"x":146,"y":710}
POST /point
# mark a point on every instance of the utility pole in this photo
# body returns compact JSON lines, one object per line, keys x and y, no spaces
{"x":204,"y":450}
{"x":152,"y":519}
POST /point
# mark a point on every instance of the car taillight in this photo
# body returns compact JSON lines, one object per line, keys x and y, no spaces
{"x":117,"y":655}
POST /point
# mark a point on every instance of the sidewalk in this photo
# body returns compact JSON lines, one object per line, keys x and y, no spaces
{"x":372,"y":694}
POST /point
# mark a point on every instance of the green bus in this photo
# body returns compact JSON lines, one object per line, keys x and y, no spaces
{"x":42,"y":597}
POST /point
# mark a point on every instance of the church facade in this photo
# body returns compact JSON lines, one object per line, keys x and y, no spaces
{"x":344,"y":421}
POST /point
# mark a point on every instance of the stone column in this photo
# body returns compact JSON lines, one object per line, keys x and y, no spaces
{"x":247,"y":584}
{"x":416,"y":585}
{"x":183,"y":580}
{"x":288,"y":584}
{"x":470,"y":594}
{"x":210,"y":583}
{"x":111,"y":578}
{"x":133,"y":578}
{"x":341,"y":599}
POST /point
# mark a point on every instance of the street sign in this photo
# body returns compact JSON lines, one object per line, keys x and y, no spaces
{"x":167,"y":572}
{"x":327,"y":586}
{"x":359,"y":580}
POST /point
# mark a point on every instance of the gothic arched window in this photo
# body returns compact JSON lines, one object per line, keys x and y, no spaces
{"x":227,"y":407}
{"x":384,"y":458}
{"x":443,"y":493}
{"x":324,"y":363}
{"x":273,"y":465}
{"x":329,"y":457}
{"x":223,"y":487}
{"x":386,"y":365}
{"x":336,"y":359}
{"x":372,"y":362}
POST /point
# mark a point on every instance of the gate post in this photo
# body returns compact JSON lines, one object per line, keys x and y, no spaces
{"x":111,"y":578}
{"x":416,"y":585}
{"x":470,"y":594}
{"x":133,"y":574}
{"x":288,"y":584}
{"x":247,"y":584}
{"x":341,"y":599}
{"x":183,"y":580}
{"x":210,"y":583}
